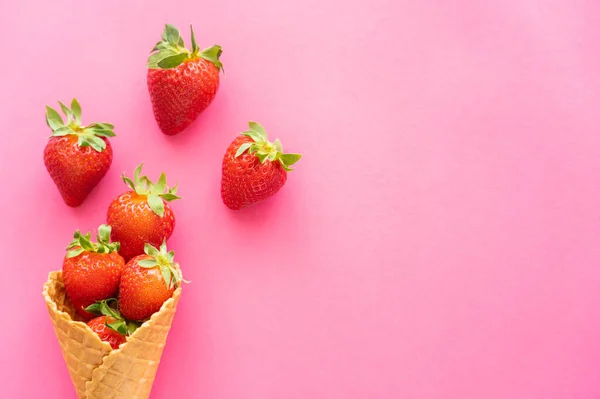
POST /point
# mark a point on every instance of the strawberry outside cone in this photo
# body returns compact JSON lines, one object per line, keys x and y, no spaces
{"x":77,"y":157}
{"x":182,"y":83}
{"x":254,"y":169}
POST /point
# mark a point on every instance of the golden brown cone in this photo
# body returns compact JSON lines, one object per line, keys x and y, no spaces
{"x":97,"y":371}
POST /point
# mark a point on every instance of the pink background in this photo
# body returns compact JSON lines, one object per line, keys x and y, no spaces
{"x":440,"y":238}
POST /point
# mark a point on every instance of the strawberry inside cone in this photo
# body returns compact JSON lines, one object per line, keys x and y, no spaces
{"x":92,"y":270}
{"x":148,"y":281}
{"x":111,"y":327}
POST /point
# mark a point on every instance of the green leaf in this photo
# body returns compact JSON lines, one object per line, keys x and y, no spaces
{"x":75,"y":252}
{"x":171,"y":34}
{"x":76,"y":109}
{"x":257,"y":127}
{"x":62,"y":131}
{"x":195,"y":47}
{"x":272,"y":156}
{"x":157,"y":204}
{"x":162,"y":183}
{"x":290,"y":159}
{"x":169,"y":197}
{"x":180,"y":42}
{"x":86,"y":244}
{"x":67,"y":112}
{"x":172,"y":61}
{"x":151,"y":250}
{"x":108,"y":311}
{"x":166,"y":275}
{"x":102,"y":132}
{"x":262,"y":156}
{"x":131,"y":327}
{"x":137,"y":175}
{"x":104,"y":233}
{"x":128,"y":182}
{"x":242,"y":149}
{"x":53,"y":118}
{"x":147,"y":263}
{"x":171,"y":256}
{"x":119,"y":326}
{"x":97,"y":143}
{"x":104,"y":125}
{"x":94,"y":308}
{"x":155,"y":58}
{"x":159,"y":46}
{"x":212,"y":54}
{"x":278,"y":146}
{"x":255,"y":136}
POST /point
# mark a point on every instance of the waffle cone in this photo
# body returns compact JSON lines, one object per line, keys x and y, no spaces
{"x":97,"y":371}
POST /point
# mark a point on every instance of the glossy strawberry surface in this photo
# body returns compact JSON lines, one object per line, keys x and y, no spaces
{"x":74,"y":169}
{"x":142,"y":290}
{"x":91,"y":277}
{"x":134,"y":223}
{"x":180,"y":94}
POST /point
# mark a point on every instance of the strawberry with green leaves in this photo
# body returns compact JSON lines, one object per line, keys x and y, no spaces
{"x":77,"y":156}
{"x":254,"y":169}
{"x":111,"y":327}
{"x":92,"y":270}
{"x":142,"y":215}
{"x":147,"y":282}
{"x":182,"y":82}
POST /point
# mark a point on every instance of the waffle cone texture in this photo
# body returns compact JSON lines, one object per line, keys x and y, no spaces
{"x":98,"y":371}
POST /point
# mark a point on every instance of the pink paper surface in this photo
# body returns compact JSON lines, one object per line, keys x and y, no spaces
{"x":439,"y":239}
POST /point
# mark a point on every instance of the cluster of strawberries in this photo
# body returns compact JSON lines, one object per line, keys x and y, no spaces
{"x":124,"y":277}
{"x":97,"y":279}
{"x":182,"y":83}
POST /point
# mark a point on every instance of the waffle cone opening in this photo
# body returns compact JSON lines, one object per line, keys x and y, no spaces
{"x":97,"y":371}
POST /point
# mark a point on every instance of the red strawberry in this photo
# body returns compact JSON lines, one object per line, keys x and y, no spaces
{"x":99,"y":325}
{"x":254,"y":169}
{"x":111,"y":326}
{"x":147,"y":282}
{"x":91,"y":271}
{"x":182,"y":83}
{"x":76,"y":156}
{"x":142,"y":216}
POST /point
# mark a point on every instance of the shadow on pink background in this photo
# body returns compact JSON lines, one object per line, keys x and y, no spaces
{"x":439,"y":239}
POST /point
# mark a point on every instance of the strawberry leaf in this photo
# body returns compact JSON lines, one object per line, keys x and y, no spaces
{"x":195,"y":47}
{"x":147,"y":263}
{"x":242,"y":149}
{"x":76,"y":108}
{"x":258,"y":128}
{"x":171,"y":34}
{"x":53,"y":119}
{"x":212,"y":54}
{"x":67,"y":112}
{"x":290,"y":159}
{"x":172,"y":61}
{"x":119,"y":326}
{"x":157,"y":204}
{"x":75,"y":252}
